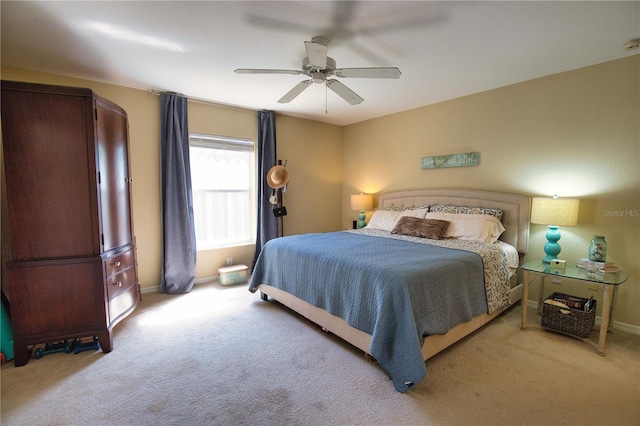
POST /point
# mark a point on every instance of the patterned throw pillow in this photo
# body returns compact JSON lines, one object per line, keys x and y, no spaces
{"x":442,"y":208}
{"x":423,"y":228}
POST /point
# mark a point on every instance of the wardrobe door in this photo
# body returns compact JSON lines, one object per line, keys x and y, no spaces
{"x":57,"y":298}
{"x":49,"y":166}
{"x":114,"y":184}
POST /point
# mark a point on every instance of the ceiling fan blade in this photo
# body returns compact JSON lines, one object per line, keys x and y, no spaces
{"x":317,"y":51}
{"x":267,"y":71}
{"x":297,"y":89}
{"x":379,"y":72}
{"x":344,"y":92}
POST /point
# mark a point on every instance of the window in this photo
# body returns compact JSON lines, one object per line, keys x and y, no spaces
{"x":223,"y":191}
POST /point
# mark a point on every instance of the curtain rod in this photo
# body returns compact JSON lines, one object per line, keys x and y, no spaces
{"x":205,"y":101}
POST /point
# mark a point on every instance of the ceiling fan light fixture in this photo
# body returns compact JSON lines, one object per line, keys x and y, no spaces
{"x":318,"y":77}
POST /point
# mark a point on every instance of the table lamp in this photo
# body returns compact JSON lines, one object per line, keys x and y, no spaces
{"x":554,"y":212}
{"x":361,"y":202}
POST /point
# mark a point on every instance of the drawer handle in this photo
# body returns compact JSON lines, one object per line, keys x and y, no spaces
{"x":118,"y":284}
{"x":116,"y":264}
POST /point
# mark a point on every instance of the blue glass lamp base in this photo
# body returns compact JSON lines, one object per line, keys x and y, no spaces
{"x":361,"y":222}
{"x":552,"y":248}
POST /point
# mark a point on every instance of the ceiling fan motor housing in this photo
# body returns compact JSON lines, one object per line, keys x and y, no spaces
{"x":307,"y":66}
{"x":318,"y":75}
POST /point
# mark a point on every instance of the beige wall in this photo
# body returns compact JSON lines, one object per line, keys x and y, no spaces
{"x":222,"y":121}
{"x":571,"y":134}
{"x":313,"y":151}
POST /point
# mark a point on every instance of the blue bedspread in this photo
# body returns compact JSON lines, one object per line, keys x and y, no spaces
{"x":397,"y":291}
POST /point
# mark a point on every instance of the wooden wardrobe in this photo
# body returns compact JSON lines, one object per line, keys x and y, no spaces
{"x":72,"y":271}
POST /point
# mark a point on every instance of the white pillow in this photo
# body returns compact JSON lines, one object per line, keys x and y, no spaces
{"x":470,"y":227}
{"x":387,"y":219}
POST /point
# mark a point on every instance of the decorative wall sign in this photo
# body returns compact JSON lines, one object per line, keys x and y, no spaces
{"x":452,"y":160}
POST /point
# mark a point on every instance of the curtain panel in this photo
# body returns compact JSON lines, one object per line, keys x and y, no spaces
{"x":179,"y":240}
{"x":267,"y":222}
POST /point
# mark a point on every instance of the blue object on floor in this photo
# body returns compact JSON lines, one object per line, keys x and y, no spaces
{"x":6,"y":335}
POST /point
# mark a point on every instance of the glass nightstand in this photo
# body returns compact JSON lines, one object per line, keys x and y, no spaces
{"x":610,"y":281}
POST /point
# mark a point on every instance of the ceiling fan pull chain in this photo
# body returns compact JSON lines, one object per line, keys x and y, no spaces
{"x":326,"y":106}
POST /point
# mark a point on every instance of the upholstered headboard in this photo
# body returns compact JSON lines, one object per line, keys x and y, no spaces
{"x":516,"y":208}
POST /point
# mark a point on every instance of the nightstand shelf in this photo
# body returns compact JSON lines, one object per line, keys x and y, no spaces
{"x":610,"y":282}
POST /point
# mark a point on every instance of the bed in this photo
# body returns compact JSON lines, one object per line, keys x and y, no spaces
{"x":391,"y":292}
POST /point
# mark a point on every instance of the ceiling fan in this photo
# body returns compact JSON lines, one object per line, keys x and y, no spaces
{"x":318,"y":66}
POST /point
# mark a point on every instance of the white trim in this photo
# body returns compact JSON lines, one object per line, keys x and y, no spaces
{"x":532,"y":304}
{"x":145,"y":290}
{"x":221,"y":142}
{"x":623,"y":326}
{"x":207,"y":279}
{"x":156,"y":289}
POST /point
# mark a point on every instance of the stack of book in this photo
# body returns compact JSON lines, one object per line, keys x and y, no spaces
{"x":589,"y":264}
{"x":608,"y":268}
{"x":604,"y":269}
{"x":572,"y":302}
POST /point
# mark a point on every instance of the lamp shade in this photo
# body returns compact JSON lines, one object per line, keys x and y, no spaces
{"x":555,"y":211}
{"x":362,"y":202}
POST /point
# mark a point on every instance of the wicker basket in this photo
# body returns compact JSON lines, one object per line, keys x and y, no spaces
{"x":577,"y":322}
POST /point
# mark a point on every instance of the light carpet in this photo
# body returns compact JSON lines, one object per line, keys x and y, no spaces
{"x":221,"y":356}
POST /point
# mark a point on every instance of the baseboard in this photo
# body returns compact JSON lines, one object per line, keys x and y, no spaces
{"x":622,"y":326}
{"x":156,"y":289}
{"x":532,"y":304}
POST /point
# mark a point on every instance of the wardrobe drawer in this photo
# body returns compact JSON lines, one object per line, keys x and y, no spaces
{"x":119,"y":263}
{"x":120,"y":282}
{"x":122,"y":304}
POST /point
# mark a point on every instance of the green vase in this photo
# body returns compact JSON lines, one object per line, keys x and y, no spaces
{"x":598,"y":249}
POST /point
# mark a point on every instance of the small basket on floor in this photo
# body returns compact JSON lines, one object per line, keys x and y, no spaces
{"x":234,"y":274}
{"x":577,"y":320}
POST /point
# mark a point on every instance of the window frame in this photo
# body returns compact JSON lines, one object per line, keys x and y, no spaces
{"x":217,"y":142}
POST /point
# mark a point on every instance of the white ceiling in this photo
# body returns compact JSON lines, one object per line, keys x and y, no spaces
{"x":445,"y":49}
